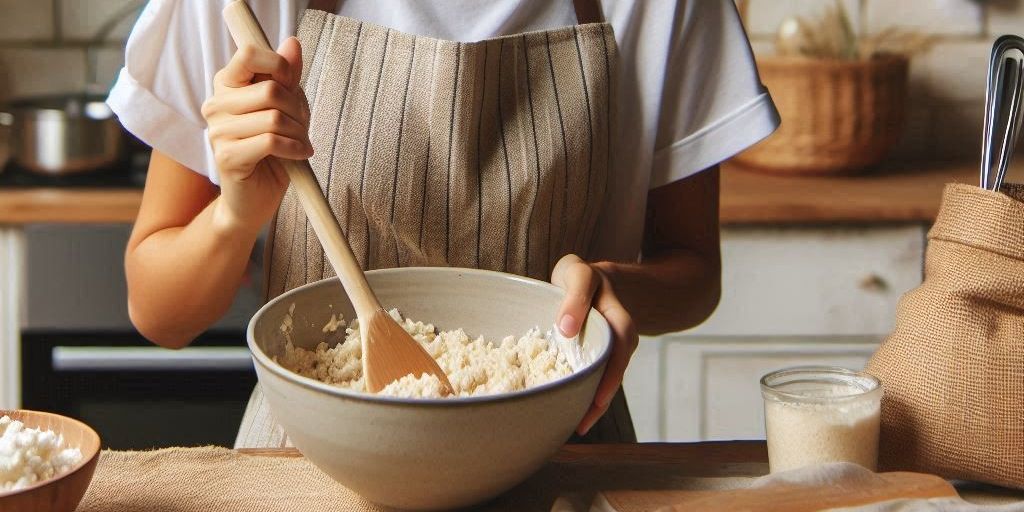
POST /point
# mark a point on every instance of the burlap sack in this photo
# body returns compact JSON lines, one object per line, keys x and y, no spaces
{"x":953,"y":369}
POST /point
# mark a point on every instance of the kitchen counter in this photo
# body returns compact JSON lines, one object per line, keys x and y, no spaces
{"x":898,"y":194}
{"x":909,"y":193}
{"x":69,"y":205}
{"x":641,"y":476}
{"x":653,"y":466}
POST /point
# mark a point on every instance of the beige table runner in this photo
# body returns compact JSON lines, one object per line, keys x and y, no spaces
{"x":213,"y":479}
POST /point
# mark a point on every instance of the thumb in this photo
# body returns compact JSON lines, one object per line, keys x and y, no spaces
{"x":580,"y":282}
{"x":291,"y":50}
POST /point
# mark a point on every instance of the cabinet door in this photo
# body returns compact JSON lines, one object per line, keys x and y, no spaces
{"x":76,"y":280}
{"x":814,"y":281}
{"x":712,"y":386}
{"x":12,"y":268}
{"x":643,"y":385}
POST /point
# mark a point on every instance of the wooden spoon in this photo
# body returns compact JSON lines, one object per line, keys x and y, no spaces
{"x":389,"y":352}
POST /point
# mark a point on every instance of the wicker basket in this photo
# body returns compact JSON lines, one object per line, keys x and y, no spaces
{"x":837,"y":116}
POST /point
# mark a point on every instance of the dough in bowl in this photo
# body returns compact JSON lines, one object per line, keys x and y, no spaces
{"x":474,"y":366}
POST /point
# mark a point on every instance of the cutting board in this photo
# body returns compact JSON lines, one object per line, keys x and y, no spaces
{"x":780,"y":497}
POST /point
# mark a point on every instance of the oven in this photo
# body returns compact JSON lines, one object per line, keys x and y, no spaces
{"x":135,"y":394}
{"x":81,"y":356}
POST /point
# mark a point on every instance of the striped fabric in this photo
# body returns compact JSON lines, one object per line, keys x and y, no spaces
{"x":493,"y":154}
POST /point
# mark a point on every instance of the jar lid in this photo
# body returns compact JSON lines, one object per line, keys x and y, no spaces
{"x":70,"y":106}
{"x":818,"y":384}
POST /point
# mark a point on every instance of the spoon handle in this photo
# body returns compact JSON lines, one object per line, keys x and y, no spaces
{"x":245,"y":30}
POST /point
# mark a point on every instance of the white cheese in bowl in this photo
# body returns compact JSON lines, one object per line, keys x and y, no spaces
{"x":474,"y":366}
{"x":29,"y":455}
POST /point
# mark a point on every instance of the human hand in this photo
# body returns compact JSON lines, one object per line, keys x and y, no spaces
{"x":586,"y":285}
{"x":257,"y":110}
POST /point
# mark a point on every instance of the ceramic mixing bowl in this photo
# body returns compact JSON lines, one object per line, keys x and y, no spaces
{"x":416,"y":453}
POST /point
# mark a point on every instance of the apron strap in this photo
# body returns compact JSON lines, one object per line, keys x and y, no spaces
{"x":587,"y":11}
{"x":330,"y":6}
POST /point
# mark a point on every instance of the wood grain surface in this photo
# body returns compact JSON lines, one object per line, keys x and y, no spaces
{"x":895,"y":194}
{"x":69,"y":205}
{"x":642,"y":468}
{"x":908,"y":193}
{"x":718,"y":458}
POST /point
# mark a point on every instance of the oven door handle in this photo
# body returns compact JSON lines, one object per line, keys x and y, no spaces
{"x":109,"y":359}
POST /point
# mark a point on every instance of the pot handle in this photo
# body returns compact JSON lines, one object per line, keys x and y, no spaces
{"x":6,"y":119}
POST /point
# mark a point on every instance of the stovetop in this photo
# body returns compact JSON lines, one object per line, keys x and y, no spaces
{"x":129,"y":174}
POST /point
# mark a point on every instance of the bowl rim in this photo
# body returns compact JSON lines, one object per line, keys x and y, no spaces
{"x":86,"y":459}
{"x":260,"y":358}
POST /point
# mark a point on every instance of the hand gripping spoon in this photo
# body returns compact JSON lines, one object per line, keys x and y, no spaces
{"x":389,"y":353}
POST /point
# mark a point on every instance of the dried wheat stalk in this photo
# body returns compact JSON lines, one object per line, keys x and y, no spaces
{"x":832,"y":37}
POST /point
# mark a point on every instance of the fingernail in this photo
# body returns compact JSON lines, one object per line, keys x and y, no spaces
{"x":569,"y":326}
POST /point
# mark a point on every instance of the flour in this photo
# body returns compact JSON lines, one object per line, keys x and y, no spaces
{"x":808,"y":433}
{"x":29,"y":456}
{"x":474,"y":366}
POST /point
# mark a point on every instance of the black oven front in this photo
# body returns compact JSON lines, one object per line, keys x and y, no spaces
{"x":137,"y":395}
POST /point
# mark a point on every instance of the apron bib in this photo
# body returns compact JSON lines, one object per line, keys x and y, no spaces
{"x":492,"y":154}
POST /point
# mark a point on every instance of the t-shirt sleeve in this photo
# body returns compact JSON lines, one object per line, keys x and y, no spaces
{"x":172,"y":55}
{"x":713,"y":104}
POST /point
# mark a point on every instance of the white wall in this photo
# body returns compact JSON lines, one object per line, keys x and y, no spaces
{"x":947,"y":85}
{"x":42,"y":49}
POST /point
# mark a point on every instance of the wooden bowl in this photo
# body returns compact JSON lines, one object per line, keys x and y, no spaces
{"x":63,"y":492}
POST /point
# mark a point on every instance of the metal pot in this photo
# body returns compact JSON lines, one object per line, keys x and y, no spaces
{"x":65,"y":134}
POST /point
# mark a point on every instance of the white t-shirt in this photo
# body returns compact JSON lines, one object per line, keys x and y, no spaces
{"x":689,"y":93}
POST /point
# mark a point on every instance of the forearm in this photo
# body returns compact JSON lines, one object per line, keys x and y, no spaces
{"x":669,"y":291}
{"x":181,"y":280}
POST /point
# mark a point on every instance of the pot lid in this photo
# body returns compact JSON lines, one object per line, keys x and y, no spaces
{"x":78,"y":105}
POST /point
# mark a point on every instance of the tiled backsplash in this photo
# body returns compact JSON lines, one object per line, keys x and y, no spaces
{"x":44,"y":44}
{"x":43,"y":49}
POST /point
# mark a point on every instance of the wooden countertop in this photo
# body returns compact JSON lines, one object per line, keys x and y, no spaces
{"x":655,"y":466}
{"x":910,"y":193}
{"x":69,"y":205}
{"x":718,"y":458}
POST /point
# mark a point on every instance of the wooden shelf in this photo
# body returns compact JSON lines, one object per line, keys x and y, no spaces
{"x":910,"y":193}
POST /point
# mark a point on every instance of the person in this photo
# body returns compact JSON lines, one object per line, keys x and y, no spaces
{"x":570,"y":140}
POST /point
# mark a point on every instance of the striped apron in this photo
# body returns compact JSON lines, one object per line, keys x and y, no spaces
{"x":493,"y":154}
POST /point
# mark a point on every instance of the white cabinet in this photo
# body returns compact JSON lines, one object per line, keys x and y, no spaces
{"x":77,"y":280}
{"x":12,"y":264}
{"x":712,"y":386}
{"x":790,"y":296}
{"x":815,"y":281}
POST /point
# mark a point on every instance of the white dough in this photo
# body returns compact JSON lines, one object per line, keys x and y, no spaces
{"x":474,"y":366}
{"x":29,"y":455}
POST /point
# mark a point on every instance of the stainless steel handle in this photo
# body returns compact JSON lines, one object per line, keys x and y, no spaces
{"x":1003,"y":96}
{"x":150,"y":359}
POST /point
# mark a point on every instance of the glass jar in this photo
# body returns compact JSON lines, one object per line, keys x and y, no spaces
{"x":818,"y":414}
